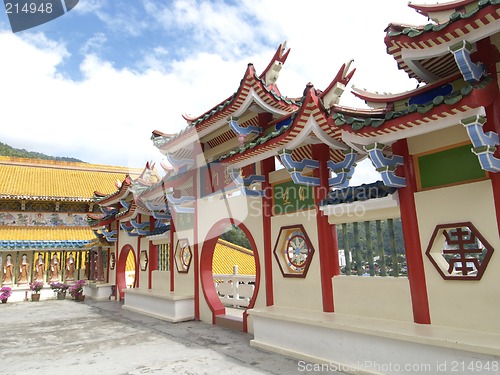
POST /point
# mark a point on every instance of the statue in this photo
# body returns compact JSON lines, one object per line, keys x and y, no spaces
{"x":23,"y":270}
{"x":39,"y":268}
{"x":54,"y":269}
{"x":70,"y":267}
{"x":8,"y":268}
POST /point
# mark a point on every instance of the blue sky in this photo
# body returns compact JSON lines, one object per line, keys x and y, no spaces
{"x":94,"y":83}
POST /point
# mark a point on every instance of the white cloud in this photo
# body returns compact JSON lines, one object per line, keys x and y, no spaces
{"x":94,"y":44}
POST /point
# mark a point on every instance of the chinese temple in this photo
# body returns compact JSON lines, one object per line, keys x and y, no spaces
{"x":44,"y":234}
{"x":356,"y":276}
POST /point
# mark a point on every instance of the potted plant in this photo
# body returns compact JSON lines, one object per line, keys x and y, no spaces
{"x":5,"y":293}
{"x":36,"y":287}
{"x":59,"y":288}
{"x":76,"y":290}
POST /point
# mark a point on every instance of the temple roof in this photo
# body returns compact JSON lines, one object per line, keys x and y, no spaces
{"x":422,"y":51}
{"x":32,"y":238}
{"x":253,"y":89}
{"x":226,"y":255}
{"x":56,"y":180}
{"x":427,"y":110}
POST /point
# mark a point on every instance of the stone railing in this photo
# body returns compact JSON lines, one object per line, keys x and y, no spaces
{"x":235,"y":290}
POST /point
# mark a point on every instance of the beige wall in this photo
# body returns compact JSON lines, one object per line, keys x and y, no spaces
{"x":298,"y":292}
{"x":378,"y":297}
{"x":459,"y":303}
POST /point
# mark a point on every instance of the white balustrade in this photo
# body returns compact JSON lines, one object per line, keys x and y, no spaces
{"x":234,"y":290}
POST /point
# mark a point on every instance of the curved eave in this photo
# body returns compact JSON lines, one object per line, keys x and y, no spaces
{"x":428,"y":118}
{"x":425,"y":9}
{"x":115,"y":197}
{"x":391,"y":98}
{"x":410,"y":45}
{"x":251,"y":88}
{"x":176,"y":182}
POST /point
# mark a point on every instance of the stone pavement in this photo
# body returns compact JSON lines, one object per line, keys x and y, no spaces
{"x":67,"y":337}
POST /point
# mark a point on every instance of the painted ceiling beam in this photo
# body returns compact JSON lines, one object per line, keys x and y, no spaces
{"x":484,"y":143}
{"x":471,"y":72}
{"x":244,"y":183}
{"x":385,"y":165}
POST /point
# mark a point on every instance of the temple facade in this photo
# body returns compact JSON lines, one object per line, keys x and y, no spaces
{"x":357,"y":277}
{"x":44,"y":234}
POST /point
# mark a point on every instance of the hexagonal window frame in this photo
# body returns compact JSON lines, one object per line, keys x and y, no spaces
{"x":183,"y":255}
{"x":290,"y":245}
{"x":436,"y":251}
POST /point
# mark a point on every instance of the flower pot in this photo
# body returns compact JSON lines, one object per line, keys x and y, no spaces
{"x":4,"y":300}
{"x":61,"y":295}
{"x":35,"y":297}
{"x":80,"y":298}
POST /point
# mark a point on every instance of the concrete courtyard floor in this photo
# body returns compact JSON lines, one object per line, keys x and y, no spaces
{"x":67,"y":337}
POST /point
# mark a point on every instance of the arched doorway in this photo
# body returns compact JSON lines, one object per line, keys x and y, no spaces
{"x":126,"y":262}
{"x":206,"y":276}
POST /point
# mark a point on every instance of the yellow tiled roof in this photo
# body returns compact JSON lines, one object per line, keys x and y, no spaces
{"x":226,"y":255}
{"x":47,"y":178}
{"x":8,"y":233}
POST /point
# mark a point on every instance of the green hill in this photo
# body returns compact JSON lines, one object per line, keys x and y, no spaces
{"x":6,"y":150}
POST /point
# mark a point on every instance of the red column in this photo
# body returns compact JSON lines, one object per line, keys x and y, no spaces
{"x":267,"y":166}
{"x":138,"y":262}
{"x":171,"y":254}
{"x":489,"y":55}
{"x":196,"y":251}
{"x":328,"y":250}
{"x":413,"y":247}
{"x":493,"y":124}
{"x":152,"y":255}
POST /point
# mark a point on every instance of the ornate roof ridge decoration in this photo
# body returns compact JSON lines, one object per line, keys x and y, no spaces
{"x":228,"y":107}
{"x":311,"y":106}
{"x":271,"y":72}
{"x":362,"y":192}
{"x":331,"y":95}
{"x":371,"y":125}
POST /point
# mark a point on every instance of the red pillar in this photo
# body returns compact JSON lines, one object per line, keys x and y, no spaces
{"x":413,"y":247}
{"x":138,"y":262}
{"x":171,"y":254}
{"x":196,"y":252}
{"x":267,"y":166}
{"x":328,"y":250}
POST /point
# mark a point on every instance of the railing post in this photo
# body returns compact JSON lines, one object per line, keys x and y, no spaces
{"x":380,"y":244}
{"x":347,"y":251}
{"x":357,"y":250}
{"x":369,"y":248}
{"x":394,"y":253}
{"x":236,"y":295}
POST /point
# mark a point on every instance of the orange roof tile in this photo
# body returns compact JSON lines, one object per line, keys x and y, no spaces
{"x":12,"y":233}
{"x":46,"y":179}
{"x":226,"y":255}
